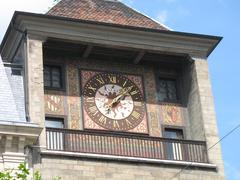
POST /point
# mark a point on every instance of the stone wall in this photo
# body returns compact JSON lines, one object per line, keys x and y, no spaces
{"x":207,"y":117}
{"x":196,"y":113}
{"x":76,"y":169}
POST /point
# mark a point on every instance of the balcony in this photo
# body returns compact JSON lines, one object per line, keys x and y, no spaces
{"x":126,"y":145}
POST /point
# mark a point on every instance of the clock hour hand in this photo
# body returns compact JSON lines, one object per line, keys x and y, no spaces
{"x":119,"y":97}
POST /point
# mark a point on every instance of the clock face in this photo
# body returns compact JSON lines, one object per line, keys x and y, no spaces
{"x":113,"y":101}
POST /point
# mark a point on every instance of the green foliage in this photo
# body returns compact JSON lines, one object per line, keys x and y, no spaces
{"x":22,"y":173}
{"x":5,"y":176}
{"x":37,"y":176}
{"x":57,"y":178}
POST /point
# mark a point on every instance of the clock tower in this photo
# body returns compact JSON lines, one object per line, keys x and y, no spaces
{"x":113,"y":94}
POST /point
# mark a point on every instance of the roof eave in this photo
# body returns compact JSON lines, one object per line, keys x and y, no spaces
{"x":17,"y":14}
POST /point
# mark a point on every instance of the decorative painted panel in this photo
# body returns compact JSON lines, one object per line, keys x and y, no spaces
{"x":54,"y":103}
{"x":70,"y":102}
{"x":74,"y":112}
{"x":171,"y":114}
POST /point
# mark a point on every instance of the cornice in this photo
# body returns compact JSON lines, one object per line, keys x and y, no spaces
{"x":45,"y":26}
{"x":28,"y":130}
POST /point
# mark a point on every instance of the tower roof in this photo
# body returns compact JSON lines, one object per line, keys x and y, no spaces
{"x":107,"y":11}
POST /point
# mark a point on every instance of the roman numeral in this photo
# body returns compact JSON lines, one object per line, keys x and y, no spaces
{"x":116,"y":124}
{"x":103,"y":119}
{"x":137,"y":103}
{"x":100,"y":80}
{"x":93,"y":110}
{"x":135,"y":114}
{"x":128,"y":122}
{"x":90,"y":100}
{"x":92,"y":88}
{"x":112,"y":79}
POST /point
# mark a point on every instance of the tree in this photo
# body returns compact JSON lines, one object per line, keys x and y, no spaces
{"x":22,"y":173}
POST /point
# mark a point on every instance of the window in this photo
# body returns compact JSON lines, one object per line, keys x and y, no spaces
{"x":174,"y":149}
{"x":53,"y":76}
{"x":173,"y":133}
{"x":55,"y":139}
{"x":54,"y":122}
{"x":167,"y":90}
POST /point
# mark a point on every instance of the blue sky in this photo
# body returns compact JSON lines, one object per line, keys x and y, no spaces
{"x":213,"y":17}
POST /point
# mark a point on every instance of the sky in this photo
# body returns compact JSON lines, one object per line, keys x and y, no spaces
{"x":212,"y":17}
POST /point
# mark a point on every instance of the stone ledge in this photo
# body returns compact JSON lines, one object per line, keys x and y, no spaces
{"x":129,"y":159}
{"x":13,"y":157}
{"x":29,"y":130}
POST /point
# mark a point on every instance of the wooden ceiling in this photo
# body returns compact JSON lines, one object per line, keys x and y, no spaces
{"x":99,"y":52}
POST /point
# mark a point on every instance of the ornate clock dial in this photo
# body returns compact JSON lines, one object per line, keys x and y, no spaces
{"x":113,"y":101}
{"x":104,"y":101}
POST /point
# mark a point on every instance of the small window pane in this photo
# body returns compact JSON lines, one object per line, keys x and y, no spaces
{"x":173,"y":133}
{"x":172,"y":93}
{"x":54,"y":122}
{"x":166,"y":89}
{"x":47,"y":79}
{"x":56,"y":84}
{"x":162,"y":90}
{"x":56,"y":72}
{"x":52,"y":76}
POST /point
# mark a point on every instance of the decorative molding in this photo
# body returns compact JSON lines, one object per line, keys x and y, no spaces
{"x":15,"y":137}
{"x":20,"y":129}
{"x":132,"y":38}
{"x":8,"y":143}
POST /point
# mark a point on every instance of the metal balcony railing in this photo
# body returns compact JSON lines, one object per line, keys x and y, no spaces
{"x":127,"y":145}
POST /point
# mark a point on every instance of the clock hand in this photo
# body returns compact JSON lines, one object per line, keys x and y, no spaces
{"x":116,"y":99}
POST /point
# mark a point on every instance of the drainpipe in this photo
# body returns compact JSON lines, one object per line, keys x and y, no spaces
{"x":24,"y":40}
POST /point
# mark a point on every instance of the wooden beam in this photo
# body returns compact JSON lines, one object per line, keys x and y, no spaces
{"x":139,"y":57}
{"x":87,"y":51}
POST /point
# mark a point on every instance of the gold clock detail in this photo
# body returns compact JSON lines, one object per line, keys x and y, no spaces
{"x":113,"y":101}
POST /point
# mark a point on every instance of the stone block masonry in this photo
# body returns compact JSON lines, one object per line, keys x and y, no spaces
{"x":86,"y":169}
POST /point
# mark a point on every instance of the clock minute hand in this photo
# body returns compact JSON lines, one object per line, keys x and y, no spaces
{"x":116,"y":99}
{"x":108,"y":106}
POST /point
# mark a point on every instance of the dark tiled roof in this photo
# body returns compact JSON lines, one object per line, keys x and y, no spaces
{"x":108,"y":11}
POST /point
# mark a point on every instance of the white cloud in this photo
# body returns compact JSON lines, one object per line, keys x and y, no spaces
{"x":8,"y":7}
{"x":162,"y":16}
